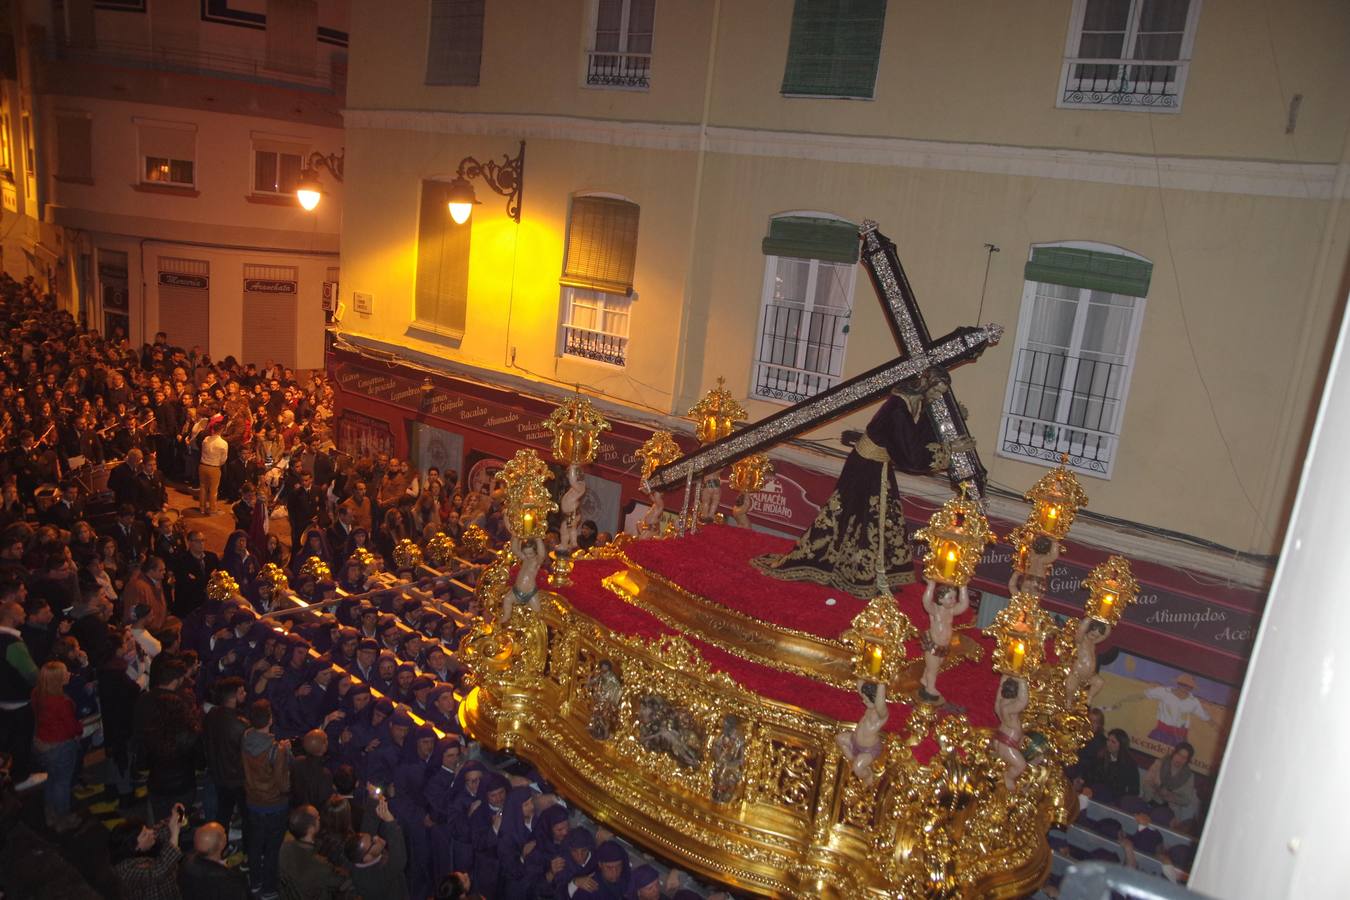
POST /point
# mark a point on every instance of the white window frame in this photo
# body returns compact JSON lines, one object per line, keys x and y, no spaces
{"x":766,"y":299}
{"x":639,"y":77}
{"x":1049,"y":455}
{"x":142,"y":167}
{"x":1156,"y":99}
{"x":614,"y":343}
{"x":276,"y":146}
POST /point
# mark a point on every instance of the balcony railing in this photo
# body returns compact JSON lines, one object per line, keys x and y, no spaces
{"x":620,"y":70}
{"x":185,"y":56}
{"x":794,"y":363}
{"x":594,"y":345}
{"x":1064,"y":404}
{"x":1133,"y":84}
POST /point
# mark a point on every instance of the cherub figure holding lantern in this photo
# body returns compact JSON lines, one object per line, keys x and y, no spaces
{"x":576,"y":427}
{"x":525,"y":590}
{"x":861,"y":744}
{"x":570,"y":505}
{"x":943,"y":603}
{"x":956,"y":535}
{"x":1083,"y":669}
{"x":1012,"y":700}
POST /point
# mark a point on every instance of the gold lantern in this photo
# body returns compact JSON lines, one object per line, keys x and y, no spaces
{"x":1057,"y":497}
{"x":272,"y":581}
{"x":576,"y":427}
{"x":441,"y":549}
{"x":877,"y":638}
{"x":1019,"y":631}
{"x":362,"y":557}
{"x":221,"y":586}
{"x":748,"y":475}
{"x":716,"y":413}
{"x":956,"y":535}
{"x":407,"y":555}
{"x":528,"y":501}
{"x":658,"y":450}
{"x":316,"y":568}
{"x":475,"y":541}
{"x":1111,"y":588}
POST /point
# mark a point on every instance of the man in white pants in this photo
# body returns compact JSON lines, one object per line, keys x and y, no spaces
{"x":215,"y":450}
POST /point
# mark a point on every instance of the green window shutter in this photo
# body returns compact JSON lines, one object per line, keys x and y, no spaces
{"x":809,"y":238}
{"x":834,"y":48}
{"x":1090,"y":269}
{"x":601,"y":245}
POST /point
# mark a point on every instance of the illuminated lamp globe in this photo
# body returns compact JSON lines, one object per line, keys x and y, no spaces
{"x":461,"y":200}
{"x":308,"y":192}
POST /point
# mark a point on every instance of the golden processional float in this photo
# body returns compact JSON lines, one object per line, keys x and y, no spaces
{"x":660,"y":744}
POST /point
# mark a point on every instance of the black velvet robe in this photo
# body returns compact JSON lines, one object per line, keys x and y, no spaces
{"x":840,"y":548}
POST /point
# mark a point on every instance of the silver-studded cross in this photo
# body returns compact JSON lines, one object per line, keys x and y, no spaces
{"x":922,"y":359}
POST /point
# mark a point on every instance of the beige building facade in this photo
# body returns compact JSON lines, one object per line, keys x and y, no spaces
{"x":1171,"y":237}
{"x":169,"y":142}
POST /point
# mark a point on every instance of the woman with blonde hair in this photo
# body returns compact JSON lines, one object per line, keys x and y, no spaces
{"x":57,"y":742}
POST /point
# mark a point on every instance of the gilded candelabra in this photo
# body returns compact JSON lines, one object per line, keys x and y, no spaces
{"x":528,"y":502}
{"x":715,"y":415}
{"x":1057,"y":497}
{"x":576,"y":426}
{"x":956,"y":535}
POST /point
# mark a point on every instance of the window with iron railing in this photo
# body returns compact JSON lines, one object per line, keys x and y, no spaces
{"x":1128,"y":54}
{"x":1076,"y":343}
{"x":803,"y":328}
{"x":597,"y":278}
{"x":595,"y":326}
{"x":621,"y":54}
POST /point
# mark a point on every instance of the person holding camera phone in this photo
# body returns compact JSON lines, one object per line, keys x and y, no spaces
{"x":145,"y":859}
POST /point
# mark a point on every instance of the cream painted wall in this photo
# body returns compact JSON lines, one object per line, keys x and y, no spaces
{"x":1212,"y":435}
{"x":220,"y":225}
{"x":1238,"y":261}
{"x":534,"y":61}
{"x":224,"y":173}
{"x":514,"y":271}
{"x":966,"y":72}
{"x":989,"y":73}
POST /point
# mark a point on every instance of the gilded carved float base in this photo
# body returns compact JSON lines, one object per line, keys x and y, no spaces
{"x":753,"y":793}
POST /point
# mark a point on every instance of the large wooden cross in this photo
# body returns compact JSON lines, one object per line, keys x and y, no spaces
{"x":920,"y":354}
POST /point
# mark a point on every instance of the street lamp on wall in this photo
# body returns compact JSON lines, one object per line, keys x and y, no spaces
{"x":506,"y":178}
{"x":310,"y":190}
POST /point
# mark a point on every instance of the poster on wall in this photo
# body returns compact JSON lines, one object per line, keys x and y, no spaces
{"x":436,"y":447}
{"x":359,"y":435}
{"x":480,"y":471}
{"x":601,"y":503}
{"x":1159,"y":706}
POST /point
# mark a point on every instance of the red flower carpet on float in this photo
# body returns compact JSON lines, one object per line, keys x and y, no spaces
{"x":715,"y":564}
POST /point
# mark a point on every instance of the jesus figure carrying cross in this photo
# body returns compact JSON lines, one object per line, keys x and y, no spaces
{"x":860,"y":531}
{"x":858,"y":541}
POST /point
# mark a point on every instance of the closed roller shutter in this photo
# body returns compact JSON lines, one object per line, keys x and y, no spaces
{"x":185,"y":302}
{"x":270,"y":312}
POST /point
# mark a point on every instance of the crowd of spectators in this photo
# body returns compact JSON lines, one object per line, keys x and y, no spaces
{"x":1163,"y":795}
{"x":286,"y":749}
